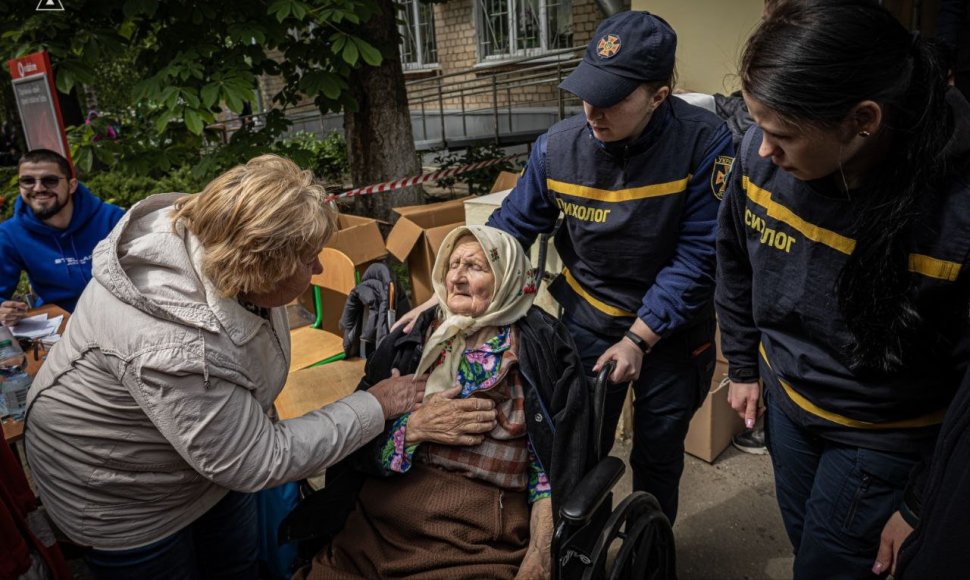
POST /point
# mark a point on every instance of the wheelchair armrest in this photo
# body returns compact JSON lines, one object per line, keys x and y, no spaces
{"x":592,"y":490}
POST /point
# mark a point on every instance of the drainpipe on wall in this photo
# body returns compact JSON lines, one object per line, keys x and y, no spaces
{"x":610,"y":7}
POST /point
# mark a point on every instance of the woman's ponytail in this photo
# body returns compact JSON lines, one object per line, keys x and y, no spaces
{"x":812,"y":63}
{"x":874,"y":288}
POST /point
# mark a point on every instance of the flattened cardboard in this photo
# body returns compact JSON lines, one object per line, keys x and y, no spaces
{"x":418,"y":234}
{"x":715,"y":423}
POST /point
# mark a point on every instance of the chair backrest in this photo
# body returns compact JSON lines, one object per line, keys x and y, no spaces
{"x":338,"y":272}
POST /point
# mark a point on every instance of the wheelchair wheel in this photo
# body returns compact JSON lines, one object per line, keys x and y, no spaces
{"x":645,"y":539}
{"x":647,"y":551}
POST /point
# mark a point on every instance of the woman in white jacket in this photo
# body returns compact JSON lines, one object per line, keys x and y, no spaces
{"x":152,"y":420}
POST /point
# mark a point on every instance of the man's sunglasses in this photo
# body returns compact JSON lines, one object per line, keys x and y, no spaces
{"x":48,"y":181}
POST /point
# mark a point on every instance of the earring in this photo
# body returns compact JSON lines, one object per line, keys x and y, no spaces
{"x":864,"y":134}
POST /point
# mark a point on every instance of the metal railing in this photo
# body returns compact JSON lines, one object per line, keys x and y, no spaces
{"x":495,"y":90}
{"x":492,"y":91}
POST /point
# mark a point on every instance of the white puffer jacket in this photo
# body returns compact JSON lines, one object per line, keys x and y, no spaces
{"x":158,"y":399}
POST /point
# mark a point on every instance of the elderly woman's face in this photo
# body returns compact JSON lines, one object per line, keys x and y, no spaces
{"x":469,"y":281}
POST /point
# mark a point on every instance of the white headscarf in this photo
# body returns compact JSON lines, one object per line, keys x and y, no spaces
{"x":513,"y":295}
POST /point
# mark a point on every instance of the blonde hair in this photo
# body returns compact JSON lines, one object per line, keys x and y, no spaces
{"x":258,"y":223}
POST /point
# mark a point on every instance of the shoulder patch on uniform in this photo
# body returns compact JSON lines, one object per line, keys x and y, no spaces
{"x":719,"y":181}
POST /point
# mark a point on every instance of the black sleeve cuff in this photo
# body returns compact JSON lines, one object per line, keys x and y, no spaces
{"x":743,"y":374}
{"x":912,"y":500}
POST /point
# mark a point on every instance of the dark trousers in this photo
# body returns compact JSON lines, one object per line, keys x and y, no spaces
{"x":223,"y":543}
{"x":834,"y":499}
{"x":673,"y":381}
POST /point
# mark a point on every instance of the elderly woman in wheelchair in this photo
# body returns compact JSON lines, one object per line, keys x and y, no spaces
{"x":465,"y":486}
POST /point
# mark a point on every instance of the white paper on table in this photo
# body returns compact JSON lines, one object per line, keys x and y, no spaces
{"x":37,"y":326}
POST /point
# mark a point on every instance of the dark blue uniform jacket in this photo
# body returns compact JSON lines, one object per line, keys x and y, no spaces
{"x":639,"y":218}
{"x":781,"y":246}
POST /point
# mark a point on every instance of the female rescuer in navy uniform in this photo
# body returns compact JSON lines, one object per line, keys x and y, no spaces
{"x":842,"y":283}
{"x":638,"y":178}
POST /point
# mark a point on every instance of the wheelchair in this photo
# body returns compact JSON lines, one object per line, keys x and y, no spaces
{"x":588,"y":531}
{"x":588,"y":528}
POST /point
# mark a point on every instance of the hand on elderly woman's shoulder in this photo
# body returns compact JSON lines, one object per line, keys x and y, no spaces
{"x":444,"y":419}
{"x":399,"y":395}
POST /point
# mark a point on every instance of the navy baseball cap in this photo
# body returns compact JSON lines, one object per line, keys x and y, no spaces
{"x":628,"y":49}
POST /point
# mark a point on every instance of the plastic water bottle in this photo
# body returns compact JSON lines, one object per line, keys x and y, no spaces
{"x":14,"y":380}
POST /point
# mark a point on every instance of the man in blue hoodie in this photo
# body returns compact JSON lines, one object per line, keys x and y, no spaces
{"x":56,"y":224}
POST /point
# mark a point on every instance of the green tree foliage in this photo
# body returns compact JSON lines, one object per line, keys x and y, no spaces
{"x":164,"y":70}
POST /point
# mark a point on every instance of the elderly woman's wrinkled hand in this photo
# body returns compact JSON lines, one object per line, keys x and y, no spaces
{"x":399,"y":395}
{"x":450,"y":421}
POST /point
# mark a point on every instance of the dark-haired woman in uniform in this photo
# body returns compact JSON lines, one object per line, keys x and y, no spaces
{"x":842,"y":273}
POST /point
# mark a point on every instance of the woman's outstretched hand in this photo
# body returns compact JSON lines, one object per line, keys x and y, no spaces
{"x":399,"y":395}
{"x":444,"y":419}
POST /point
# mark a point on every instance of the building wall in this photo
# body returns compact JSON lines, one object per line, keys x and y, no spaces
{"x":710,"y":36}
{"x":457,"y":51}
{"x":520,"y":108}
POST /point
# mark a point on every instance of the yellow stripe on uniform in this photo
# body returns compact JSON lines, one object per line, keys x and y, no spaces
{"x":934,"y":418}
{"x":593,"y":301}
{"x":615,"y":196}
{"x":934,"y":267}
{"x":781,"y":213}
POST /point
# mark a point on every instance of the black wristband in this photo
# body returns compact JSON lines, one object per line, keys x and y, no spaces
{"x":637,"y":340}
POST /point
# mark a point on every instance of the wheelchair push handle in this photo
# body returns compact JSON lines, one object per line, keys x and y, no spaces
{"x":599,"y":405}
{"x":603,"y":378}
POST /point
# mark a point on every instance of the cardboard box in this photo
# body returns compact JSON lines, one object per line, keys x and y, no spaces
{"x":715,"y":423}
{"x":717,"y":343}
{"x":506,"y":180}
{"x":416,"y":237}
{"x":359,"y":240}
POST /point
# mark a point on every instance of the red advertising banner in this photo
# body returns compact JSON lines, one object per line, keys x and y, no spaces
{"x":40,"y":111}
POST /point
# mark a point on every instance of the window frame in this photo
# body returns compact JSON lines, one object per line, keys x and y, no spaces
{"x":417,"y":33}
{"x":512,"y":52}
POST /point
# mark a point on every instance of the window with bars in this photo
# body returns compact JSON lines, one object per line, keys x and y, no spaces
{"x":419,"y":49}
{"x":509,"y":28}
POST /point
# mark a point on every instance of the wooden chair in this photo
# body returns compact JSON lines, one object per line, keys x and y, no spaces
{"x":311,"y":345}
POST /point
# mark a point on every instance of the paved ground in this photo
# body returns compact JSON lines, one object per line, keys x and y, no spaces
{"x":729,"y":526}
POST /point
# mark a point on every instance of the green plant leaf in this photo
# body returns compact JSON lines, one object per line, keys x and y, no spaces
{"x":350,"y":53}
{"x":209,"y":94}
{"x":161,"y":123}
{"x":371,"y":55}
{"x":193,"y":121}
{"x":280,"y":8}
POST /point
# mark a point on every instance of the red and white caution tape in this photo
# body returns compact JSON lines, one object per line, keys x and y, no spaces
{"x":409,"y":181}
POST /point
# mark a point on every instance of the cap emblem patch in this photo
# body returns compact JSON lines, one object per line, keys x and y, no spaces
{"x":608,"y":46}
